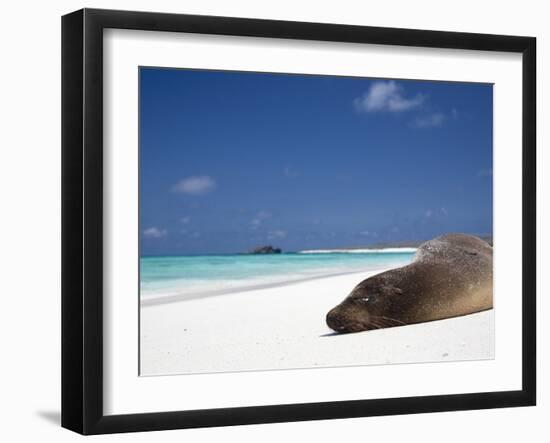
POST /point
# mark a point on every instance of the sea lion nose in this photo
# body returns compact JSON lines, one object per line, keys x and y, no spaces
{"x":334,"y":320}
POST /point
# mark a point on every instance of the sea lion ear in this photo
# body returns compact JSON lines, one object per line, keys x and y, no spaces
{"x":394,"y":290}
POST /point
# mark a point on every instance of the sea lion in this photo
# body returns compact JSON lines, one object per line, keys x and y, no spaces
{"x":451,"y":275}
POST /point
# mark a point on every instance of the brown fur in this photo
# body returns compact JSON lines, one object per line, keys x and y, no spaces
{"x":451,"y":275}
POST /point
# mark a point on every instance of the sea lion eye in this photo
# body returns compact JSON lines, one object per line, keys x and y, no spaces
{"x":368,"y":299}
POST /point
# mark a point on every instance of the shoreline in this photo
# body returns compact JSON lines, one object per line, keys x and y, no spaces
{"x":152,"y":300}
{"x":359,"y":251}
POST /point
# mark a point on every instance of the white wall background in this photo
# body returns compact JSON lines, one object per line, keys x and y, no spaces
{"x":30,"y":218}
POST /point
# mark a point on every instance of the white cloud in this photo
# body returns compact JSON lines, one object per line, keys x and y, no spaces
{"x":277,"y":234}
{"x":429,"y":121}
{"x":185,"y":219}
{"x":289,"y":171}
{"x":190,"y":234}
{"x":372,"y":234}
{"x":387,"y":96}
{"x":436,"y":213}
{"x":259,"y":218}
{"x":195,"y":185}
{"x":154,"y":232}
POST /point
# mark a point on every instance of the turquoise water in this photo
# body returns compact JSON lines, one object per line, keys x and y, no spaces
{"x":228,"y":273}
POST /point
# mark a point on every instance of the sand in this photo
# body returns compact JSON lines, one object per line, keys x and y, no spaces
{"x":284,"y":328}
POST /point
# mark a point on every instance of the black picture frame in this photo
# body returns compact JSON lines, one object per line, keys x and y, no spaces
{"x":82,"y":218}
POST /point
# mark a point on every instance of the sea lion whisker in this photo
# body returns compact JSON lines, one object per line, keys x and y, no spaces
{"x":390,"y":321}
{"x":393,"y":320}
{"x":376,"y":324}
{"x":387,"y":320}
{"x":380,"y":322}
{"x":383,"y":321}
{"x":372,"y":323}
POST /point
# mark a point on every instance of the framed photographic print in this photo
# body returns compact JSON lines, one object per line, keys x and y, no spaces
{"x":269,"y":221}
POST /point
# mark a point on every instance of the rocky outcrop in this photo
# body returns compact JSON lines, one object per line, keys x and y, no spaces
{"x":268,"y":249}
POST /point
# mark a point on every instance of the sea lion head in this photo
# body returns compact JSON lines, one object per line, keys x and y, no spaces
{"x":372,"y":304}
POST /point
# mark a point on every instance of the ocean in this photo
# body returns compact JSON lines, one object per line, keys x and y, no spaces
{"x":199,"y":275}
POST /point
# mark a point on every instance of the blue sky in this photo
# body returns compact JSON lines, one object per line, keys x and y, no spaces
{"x":232,"y":160}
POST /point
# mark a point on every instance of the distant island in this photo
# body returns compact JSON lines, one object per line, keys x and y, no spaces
{"x":268,"y":249}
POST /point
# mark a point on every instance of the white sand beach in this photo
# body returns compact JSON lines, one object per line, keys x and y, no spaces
{"x":284,"y":327}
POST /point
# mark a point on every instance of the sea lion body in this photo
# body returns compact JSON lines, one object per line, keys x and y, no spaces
{"x":450,"y":276}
